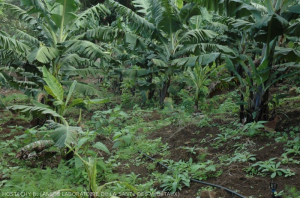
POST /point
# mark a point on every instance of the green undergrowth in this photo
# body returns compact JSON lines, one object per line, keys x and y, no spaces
{"x":127,"y":131}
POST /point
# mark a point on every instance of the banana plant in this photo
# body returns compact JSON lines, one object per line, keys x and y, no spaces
{"x":166,"y":40}
{"x":201,"y":77}
{"x":56,"y":40}
{"x":60,"y":103}
{"x":63,"y":133}
{"x":267,"y":23}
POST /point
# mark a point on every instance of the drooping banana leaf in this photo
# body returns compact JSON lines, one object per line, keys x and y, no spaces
{"x":192,"y":61}
{"x":142,"y":6}
{"x":82,"y":88}
{"x":38,"y":110}
{"x":64,"y":134}
{"x":19,"y":13}
{"x":288,"y":54}
{"x":43,"y":54}
{"x":11,"y":44}
{"x":85,"y":48}
{"x":269,"y":27}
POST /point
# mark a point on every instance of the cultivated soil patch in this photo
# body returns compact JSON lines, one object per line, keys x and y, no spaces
{"x":233,"y":176}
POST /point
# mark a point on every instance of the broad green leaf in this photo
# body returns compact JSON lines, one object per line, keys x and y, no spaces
{"x":139,"y":23}
{"x":82,"y":88}
{"x":159,"y":63}
{"x":246,"y":10}
{"x":179,"y":3}
{"x":43,"y":54}
{"x":293,"y":30}
{"x":64,"y":134}
{"x":38,"y":104}
{"x":101,"y":147}
{"x":269,"y":5}
{"x":53,"y":87}
{"x":2,"y":79}
{"x":81,"y":142}
{"x":194,"y":60}
{"x":78,"y":162}
{"x":273,"y":175}
{"x":11,"y":44}
{"x":294,"y":9}
{"x":75,"y":102}
{"x":142,"y":6}
{"x":269,"y":27}
{"x":63,"y":12}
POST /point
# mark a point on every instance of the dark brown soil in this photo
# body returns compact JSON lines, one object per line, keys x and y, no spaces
{"x":6,"y":131}
{"x":290,"y":119}
{"x":152,"y":117}
{"x":233,"y":176}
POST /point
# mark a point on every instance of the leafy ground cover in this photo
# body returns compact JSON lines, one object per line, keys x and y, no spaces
{"x":209,"y":146}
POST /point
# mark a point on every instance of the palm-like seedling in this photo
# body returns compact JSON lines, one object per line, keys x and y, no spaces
{"x":200,"y":77}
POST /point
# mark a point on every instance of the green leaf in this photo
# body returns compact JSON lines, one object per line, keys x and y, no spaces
{"x":77,"y":101}
{"x":101,"y":147}
{"x":53,"y":87}
{"x":139,"y":23}
{"x":246,"y":10}
{"x":276,"y":23}
{"x":81,"y":142}
{"x":273,"y":175}
{"x":64,"y":134}
{"x":294,"y":9}
{"x":293,"y":30}
{"x":194,"y":60}
{"x":85,"y":48}
{"x":78,"y":162}
{"x":142,"y":6}
{"x":32,"y":109}
{"x":82,"y":88}
{"x":28,"y":38}
{"x":63,"y":12}
{"x":43,"y":54}
{"x":71,"y":90}
{"x":19,"y":13}
{"x":211,"y":168}
{"x":278,"y":164}
{"x":11,"y":44}
{"x":159,"y":63}
{"x":98,"y":101}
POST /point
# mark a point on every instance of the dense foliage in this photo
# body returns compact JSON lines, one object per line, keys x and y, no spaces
{"x":152,"y":54}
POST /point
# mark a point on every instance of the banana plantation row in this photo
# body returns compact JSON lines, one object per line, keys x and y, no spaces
{"x":199,"y":43}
